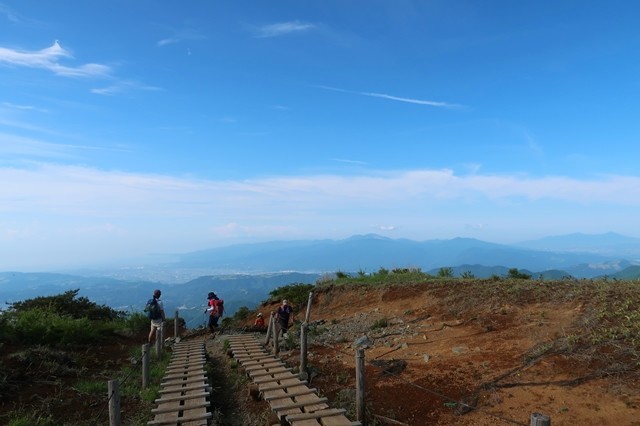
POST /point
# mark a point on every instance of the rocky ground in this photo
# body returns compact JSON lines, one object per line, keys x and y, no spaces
{"x":428,"y":362}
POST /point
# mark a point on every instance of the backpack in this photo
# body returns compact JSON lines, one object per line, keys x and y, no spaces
{"x":218,"y":307}
{"x":152,"y":309}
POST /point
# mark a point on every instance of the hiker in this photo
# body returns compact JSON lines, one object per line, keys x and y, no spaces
{"x":284,"y":315}
{"x":259,"y":322}
{"x":215,"y":309}
{"x":155,"y":312}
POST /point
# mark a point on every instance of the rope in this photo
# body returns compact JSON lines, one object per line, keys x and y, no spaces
{"x":122,"y":382}
{"x":431,"y":391}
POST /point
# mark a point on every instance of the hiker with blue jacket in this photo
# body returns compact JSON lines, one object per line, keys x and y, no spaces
{"x":155,"y":311}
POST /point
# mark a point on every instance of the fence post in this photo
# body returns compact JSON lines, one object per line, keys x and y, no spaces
{"x":538,"y":419}
{"x":276,"y":343}
{"x":159,"y":339}
{"x":308,"y":314}
{"x":114,"y":403}
{"x":145,"y":366}
{"x":303,"y":350}
{"x":175,"y":325}
{"x":266,"y":339}
{"x":360,"y":382}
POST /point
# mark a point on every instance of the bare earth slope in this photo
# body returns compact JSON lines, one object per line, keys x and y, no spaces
{"x":458,"y":355}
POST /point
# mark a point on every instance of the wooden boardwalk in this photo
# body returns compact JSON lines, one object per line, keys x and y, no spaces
{"x":289,"y":397}
{"x":184,"y":388}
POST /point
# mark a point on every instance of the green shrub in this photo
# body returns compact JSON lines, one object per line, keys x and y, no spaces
{"x":66,"y":304}
{"x":31,"y":419}
{"x":296,"y":293}
{"x":445,"y":272}
{"x":136,"y":322}
{"x":44,"y":327}
{"x":381,"y":323}
{"x":241,"y":314}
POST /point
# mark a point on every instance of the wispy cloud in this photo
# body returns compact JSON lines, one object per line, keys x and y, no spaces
{"x":30,"y":148}
{"x":283,"y":28}
{"x":49,"y":59}
{"x":115,"y":191}
{"x":8,"y":13}
{"x":123,"y":86}
{"x":22,"y":107}
{"x":395,"y":98}
{"x":343,"y":160}
{"x":180,"y":36}
{"x":167,"y":41}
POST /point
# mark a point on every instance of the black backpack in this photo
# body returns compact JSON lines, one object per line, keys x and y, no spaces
{"x":152,"y":309}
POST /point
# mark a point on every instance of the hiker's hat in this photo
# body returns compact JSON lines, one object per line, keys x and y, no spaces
{"x":259,"y":314}
{"x":285,"y":302}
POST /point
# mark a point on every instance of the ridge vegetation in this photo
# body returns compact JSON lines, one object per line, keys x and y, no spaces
{"x":481,"y":346}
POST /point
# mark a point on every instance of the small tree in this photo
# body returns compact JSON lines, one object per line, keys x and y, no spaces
{"x":445,"y":272}
{"x":515,"y":274}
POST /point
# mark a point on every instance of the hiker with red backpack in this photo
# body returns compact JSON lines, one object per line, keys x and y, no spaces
{"x":215,"y":309}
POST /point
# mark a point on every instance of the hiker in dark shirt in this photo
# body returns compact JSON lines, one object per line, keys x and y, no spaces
{"x":157,"y":314}
{"x":284,"y":315}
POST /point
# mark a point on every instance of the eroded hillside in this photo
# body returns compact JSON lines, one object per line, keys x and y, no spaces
{"x":481,"y":352}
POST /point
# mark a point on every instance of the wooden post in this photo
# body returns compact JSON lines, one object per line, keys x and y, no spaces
{"x":276,"y":342}
{"x":360,"y":411}
{"x":308,"y":314}
{"x":145,"y":365}
{"x":269,"y":328}
{"x":303,"y":351}
{"x":175,"y":325}
{"x":114,"y":403}
{"x":159,"y":338}
{"x":538,"y":419}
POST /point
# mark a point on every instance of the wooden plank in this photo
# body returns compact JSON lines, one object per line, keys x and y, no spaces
{"x":171,"y":410}
{"x":284,"y":375}
{"x":184,"y":389}
{"x":270,"y":358}
{"x":183,"y":382}
{"x":318,"y":414}
{"x":179,"y":420}
{"x":181,"y":397}
{"x":185,"y":375}
{"x":337,"y":421}
{"x":268,"y":373}
{"x":281,"y":386}
{"x":250,"y":370}
{"x":300,"y":404}
{"x":312,"y":402}
{"x":187,"y":362}
{"x":185,"y":369}
{"x":252,"y":357}
{"x":291,"y":394}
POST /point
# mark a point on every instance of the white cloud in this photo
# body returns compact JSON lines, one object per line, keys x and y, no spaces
{"x":48,"y":59}
{"x":98,"y":213}
{"x":284,"y":28}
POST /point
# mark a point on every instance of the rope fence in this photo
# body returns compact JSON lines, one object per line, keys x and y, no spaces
{"x":537,"y":419}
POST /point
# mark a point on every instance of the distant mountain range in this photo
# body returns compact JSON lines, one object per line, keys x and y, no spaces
{"x":244,"y":274}
{"x":190,"y":297}
{"x":579,"y":255}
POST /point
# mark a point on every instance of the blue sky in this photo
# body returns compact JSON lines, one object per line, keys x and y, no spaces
{"x":137,"y":127}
